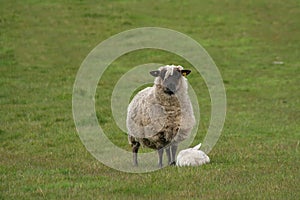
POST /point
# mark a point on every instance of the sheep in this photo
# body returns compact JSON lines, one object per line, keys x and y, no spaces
{"x":192,"y":157}
{"x":161,"y":116}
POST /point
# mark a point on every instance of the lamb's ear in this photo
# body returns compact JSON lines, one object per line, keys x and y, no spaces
{"x":185,"y":72}
{"x":197,"y":147}
{"x":155,"y":73}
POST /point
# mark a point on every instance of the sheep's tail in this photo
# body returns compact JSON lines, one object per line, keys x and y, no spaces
{"x":197,"y":146}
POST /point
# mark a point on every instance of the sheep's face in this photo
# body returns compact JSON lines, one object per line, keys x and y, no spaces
{"x":170,"y":78}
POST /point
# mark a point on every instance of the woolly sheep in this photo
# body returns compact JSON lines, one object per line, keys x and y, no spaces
{"x":161,"y":116}
{"x":192,"y":157}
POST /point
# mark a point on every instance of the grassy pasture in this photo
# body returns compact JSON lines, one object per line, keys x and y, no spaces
{"x":42,"y":44}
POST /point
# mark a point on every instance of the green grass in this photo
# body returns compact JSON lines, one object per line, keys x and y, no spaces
{"x":42,"y":45}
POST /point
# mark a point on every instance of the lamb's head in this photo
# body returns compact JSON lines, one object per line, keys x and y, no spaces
{"x":171,"y":78}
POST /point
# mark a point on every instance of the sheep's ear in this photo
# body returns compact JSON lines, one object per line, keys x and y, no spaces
{"x":185,"y":72}
{"x":155,"y":73}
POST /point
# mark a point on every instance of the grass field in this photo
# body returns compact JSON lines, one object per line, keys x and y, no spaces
{"x":255,"y":44}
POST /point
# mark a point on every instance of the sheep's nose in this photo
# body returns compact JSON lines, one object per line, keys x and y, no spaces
{"x":171,"y":87}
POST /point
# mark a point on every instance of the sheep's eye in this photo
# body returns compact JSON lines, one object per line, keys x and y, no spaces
{"x":162,"y":74}
{"x":176,"y":74}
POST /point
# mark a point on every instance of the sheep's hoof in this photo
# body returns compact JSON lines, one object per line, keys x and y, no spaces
{"x":172,"y":163}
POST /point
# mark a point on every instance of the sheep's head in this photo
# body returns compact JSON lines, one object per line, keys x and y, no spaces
{"x":170,"y":77}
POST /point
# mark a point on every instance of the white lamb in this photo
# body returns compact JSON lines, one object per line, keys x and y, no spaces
{"x":161,"y":116}
{"x":192,"y":157}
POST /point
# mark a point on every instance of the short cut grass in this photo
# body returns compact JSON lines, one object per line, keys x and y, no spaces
{"x":255,"y":44}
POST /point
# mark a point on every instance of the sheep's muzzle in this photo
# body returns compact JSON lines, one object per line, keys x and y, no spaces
{"x":170,"y":89}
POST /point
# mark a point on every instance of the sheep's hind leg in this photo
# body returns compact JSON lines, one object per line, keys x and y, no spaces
{"x":135,"y":149}
{"x":160,"y":157}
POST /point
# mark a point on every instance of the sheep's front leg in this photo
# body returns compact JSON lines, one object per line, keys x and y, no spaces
{"x":173,"y":151}
{"x":168,"y":152}
{"x":135,"y":149}
{"x":160,"y":157}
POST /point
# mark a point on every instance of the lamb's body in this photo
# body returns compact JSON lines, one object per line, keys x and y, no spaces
{"x":157,"y":119}
{"x":192,"y":157}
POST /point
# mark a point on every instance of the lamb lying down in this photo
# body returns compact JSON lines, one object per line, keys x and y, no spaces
{"x":161,"y":116}
{"x":192,"y":157}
